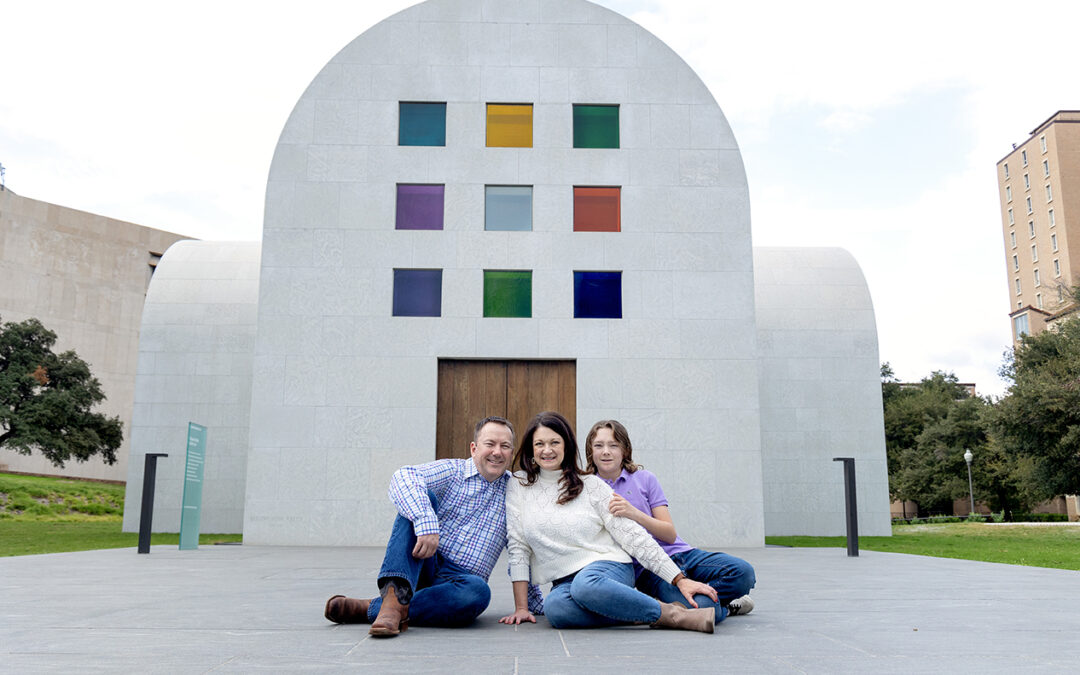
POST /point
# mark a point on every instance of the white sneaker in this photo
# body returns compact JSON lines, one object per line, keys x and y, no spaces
{"x":739,"y":606}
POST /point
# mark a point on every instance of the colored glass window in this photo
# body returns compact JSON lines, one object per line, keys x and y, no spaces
{"x":417,"y":292}
{"x":508,"y":293}
{"x":508,"y":207}
{"x":596,"y":209}
{"x":509,"y":125}
{"x":596,"y":126}
{"x":419,"y":207}
{"x":421,"y":124}
{"x":597,"y":295}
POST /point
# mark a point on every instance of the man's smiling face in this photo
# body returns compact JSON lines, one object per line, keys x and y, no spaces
{"x":492,"y":450}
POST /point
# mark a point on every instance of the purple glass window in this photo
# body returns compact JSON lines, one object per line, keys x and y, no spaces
{"x":419,"y":207}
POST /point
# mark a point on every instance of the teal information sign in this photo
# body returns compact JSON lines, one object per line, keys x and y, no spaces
{"x":193,"y":482}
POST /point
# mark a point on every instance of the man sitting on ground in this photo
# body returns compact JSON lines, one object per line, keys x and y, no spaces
{"x":449,"y":533}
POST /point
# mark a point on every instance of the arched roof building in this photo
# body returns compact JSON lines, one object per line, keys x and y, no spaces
{"x":499,"y":208}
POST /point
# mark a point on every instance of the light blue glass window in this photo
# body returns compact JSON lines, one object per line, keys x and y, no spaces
{"x":508,"y":207}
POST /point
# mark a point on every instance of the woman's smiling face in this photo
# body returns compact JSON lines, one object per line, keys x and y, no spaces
{"x":548,"y":449}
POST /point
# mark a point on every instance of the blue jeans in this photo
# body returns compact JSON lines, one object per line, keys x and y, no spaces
{"x":600,"y":594}
{"x":731,"y":577}
{"x":444,"y":593}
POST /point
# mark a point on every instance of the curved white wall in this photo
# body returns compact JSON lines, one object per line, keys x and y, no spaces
{"x":820,"y":392}
{"x":195,"y":359}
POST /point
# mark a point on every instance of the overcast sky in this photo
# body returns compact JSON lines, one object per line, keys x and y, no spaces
{"x":871,"y":126}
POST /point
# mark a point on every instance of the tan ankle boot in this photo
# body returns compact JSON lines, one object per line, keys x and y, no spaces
{"x":678,"y":617}
{"x":393,"y":615}
{"x":340,"y":609}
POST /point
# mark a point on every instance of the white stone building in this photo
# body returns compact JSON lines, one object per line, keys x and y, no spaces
{"x":485,"y":207}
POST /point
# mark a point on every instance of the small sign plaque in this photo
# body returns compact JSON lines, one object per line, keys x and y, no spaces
{"x":193,"y":482}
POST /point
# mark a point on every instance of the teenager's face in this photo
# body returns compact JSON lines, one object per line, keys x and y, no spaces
{"x":607,"y":454}
{"x":548,"y":449}
{"x":492,"y":449}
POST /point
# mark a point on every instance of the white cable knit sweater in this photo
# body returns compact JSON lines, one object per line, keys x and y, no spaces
{"x":553,"y":540}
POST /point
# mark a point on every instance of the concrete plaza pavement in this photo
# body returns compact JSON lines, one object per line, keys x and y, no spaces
{"x":239,"y":609}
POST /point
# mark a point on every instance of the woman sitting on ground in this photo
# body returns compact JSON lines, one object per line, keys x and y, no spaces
{"x":639,"y":497}
{"x":561,"y":530}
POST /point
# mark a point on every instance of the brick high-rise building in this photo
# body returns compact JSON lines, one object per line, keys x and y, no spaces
{"x":1039,"y":185}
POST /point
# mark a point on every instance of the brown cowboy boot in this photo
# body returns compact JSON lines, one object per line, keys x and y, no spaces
{"x":340,"y":609}
{"x":393,"y":614}
{"x":677,"y":616}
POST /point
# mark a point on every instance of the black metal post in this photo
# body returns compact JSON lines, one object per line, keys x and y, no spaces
{"x":146,"y":516}
{"x":852,"y":508}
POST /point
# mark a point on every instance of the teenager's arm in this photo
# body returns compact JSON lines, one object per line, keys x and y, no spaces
{"x":658,"y":524}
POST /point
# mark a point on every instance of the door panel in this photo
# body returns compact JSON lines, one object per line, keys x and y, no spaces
{"x":536,"y":386}
{"x":517,"y":390}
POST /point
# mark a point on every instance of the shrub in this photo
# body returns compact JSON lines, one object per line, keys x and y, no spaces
{"x":928,"y":520}
{"x":92,"y":509}
{"x":1039,"y":518}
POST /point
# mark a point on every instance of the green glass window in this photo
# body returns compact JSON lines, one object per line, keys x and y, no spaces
{"x":596,"y":126}
{"x":421,"y":124}
{"x":508,"y":293}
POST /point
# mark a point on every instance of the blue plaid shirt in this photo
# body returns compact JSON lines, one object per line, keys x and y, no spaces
{"x":471,"y":516}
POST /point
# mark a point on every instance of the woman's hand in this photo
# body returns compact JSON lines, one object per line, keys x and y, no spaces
{"x":519,"y":616}
{"x":689,"y":588}
{"x":618,"y":506}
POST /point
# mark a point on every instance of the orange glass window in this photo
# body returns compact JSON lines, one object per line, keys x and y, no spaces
{"x":596,"y":209}
{"x":509,"y":125}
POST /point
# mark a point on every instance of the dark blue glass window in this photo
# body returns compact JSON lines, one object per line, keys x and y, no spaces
{"x":421,"y":124}
{"x":417,"y":292}
{"x":597,"y":295}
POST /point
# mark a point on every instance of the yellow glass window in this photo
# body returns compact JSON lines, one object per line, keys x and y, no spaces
{"x":509,"y":125}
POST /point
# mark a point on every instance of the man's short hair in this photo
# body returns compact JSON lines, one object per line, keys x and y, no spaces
{"x":496,"y":420}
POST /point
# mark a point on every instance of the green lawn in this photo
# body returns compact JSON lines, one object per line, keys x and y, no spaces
{"x":1049,"y":546}
{"x":40,"y":498}
{"x":54,"y":515}
{"x":29,"y":537}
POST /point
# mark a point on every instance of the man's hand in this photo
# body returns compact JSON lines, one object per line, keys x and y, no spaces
{"x":519,"y":616}
{"x":689,"y":588}
{"x":618,"y":506}
{"x":426,"y":545}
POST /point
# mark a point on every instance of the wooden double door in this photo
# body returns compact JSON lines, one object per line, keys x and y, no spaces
{"x":517,"y":390}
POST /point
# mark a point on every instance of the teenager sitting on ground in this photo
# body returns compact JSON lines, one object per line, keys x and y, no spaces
{"x":639,"y":497}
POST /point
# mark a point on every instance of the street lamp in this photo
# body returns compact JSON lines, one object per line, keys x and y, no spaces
{"x":971,"y":492}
